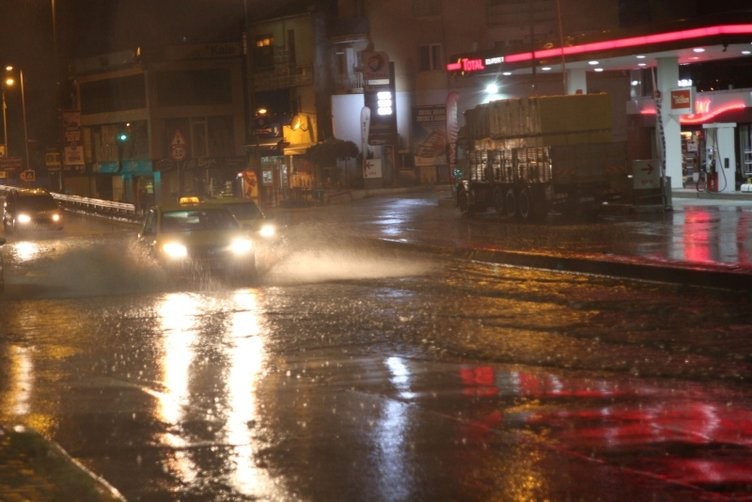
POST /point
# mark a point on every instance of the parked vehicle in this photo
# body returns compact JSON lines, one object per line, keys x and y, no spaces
{"x":525,"y":156}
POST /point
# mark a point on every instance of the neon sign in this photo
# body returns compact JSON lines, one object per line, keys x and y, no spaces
{"x":621,"y":43}
{"x":466,"y":65}
{"x":704,"y":113}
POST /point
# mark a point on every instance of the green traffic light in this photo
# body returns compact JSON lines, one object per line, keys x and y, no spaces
{"x":122,"y":137}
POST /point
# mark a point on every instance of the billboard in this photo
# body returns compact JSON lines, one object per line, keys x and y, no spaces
{"x":429,"y":135}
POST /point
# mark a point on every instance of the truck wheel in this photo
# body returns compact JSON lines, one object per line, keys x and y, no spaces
{"x":523,"y":203}
{"x":540,"y":206}
{"x":498,"y":201}
{"x":510,"y":202}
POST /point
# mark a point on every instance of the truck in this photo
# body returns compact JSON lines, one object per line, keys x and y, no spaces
{"x":524,"y":157}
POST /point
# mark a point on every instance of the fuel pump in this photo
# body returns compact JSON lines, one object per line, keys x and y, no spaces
{"x":710,"y":168}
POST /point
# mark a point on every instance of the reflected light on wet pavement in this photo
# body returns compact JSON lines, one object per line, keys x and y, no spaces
{"x":235,"y":409}
{"x":683,"y":426}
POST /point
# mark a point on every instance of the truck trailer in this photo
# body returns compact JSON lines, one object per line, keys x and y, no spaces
{"x":524,"y":157}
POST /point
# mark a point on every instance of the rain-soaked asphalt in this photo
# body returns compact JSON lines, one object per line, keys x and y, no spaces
{"x":353,"y":371}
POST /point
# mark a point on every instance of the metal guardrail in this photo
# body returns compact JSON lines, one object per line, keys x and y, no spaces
{"x":90,"y":205}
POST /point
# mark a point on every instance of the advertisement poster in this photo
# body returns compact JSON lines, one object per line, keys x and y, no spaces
{"x":453,"y":128}
{"x":430,"y":139}
{"x":372,"y":169}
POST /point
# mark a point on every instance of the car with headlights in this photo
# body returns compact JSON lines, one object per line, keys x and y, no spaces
{"x":31,"y":208}
{"x":193,"y":238}
{"x":249,"y":215}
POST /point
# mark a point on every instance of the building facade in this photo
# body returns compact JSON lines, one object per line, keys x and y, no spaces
{"x":150,"y":127}
{"x":394,"y":77}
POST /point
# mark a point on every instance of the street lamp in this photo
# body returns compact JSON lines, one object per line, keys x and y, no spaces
{"x":10,"y":81}
{"x":5,"y":124}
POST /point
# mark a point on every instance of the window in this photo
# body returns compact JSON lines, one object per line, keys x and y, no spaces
{"x":291,"y":55}
{"x":205,"y":136}
{"x":199,"y":87}
{"x":112,"y":95}
{"x":430,"y":57}
{"x":424,"y":8}
{"x":263,"y":52}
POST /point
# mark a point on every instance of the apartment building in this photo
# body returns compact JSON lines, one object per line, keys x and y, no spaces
{"x":150,"y":126}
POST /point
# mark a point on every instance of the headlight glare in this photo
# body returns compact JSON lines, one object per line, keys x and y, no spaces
{"x":267,"y":230}
{"x":56,"y":217}
{"x":241,"y":246}
{"x":174,"y":250}
{"x":23,"y":218}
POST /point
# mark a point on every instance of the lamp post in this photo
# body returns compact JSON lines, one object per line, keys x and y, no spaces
{"x":10,"y":81}
{"x":5,"y":125}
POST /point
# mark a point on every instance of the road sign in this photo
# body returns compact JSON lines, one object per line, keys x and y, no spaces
{"x":53,"y":161}
{"x":645,"y":174}
{"x":178,"y":146}
{"x":28,"y":175}
{"x":10,"y":163}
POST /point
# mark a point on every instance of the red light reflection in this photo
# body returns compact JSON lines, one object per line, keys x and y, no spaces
{"x":677,"y":432}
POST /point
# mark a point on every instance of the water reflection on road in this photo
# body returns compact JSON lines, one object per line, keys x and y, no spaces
{"x":412,"y":377}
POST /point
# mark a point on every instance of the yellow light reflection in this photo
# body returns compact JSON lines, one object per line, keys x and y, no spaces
{"x":25,"y":250}
{"x":391,"y":432}
{"x":21,"y":380}
{"x":178,"y":313}
{"x":246,"y":357}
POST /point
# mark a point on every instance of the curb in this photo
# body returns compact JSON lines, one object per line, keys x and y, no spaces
{"x":732,"y":277}
{"x":34,"y":468}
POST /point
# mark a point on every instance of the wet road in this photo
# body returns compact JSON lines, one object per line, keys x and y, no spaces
{"x":355,"y":371}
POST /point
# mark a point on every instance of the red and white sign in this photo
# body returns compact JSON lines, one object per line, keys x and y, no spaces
{"x":682,"y":101}
{"x":178,"y":146}
{"x":28,"y":175}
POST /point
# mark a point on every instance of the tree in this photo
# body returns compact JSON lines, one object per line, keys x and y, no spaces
{"x":324,"y":157}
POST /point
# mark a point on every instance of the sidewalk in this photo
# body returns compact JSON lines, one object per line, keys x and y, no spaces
{"x":33,"y":468}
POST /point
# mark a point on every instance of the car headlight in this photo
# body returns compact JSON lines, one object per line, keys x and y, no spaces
{"x":174,"y":250}
{"x":23,"y":218}
{"x":241,"y":246}
{"x":56,"y":217}
{"x":267,"y":231}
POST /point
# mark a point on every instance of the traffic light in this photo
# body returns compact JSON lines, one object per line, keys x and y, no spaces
{"x":123,"y":134}
{"x":122,"y":137}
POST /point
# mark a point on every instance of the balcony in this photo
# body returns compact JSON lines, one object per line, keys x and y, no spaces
{"x":349,"y":84}
{"x":277,"y":68}
{"x":283,"y":77}
{"x":349,"y":30}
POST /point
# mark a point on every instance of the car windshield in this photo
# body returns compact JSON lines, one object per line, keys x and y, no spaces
{"x":245,"y":210}
{"x":36,"y":202}
{"x":189,"y":220}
